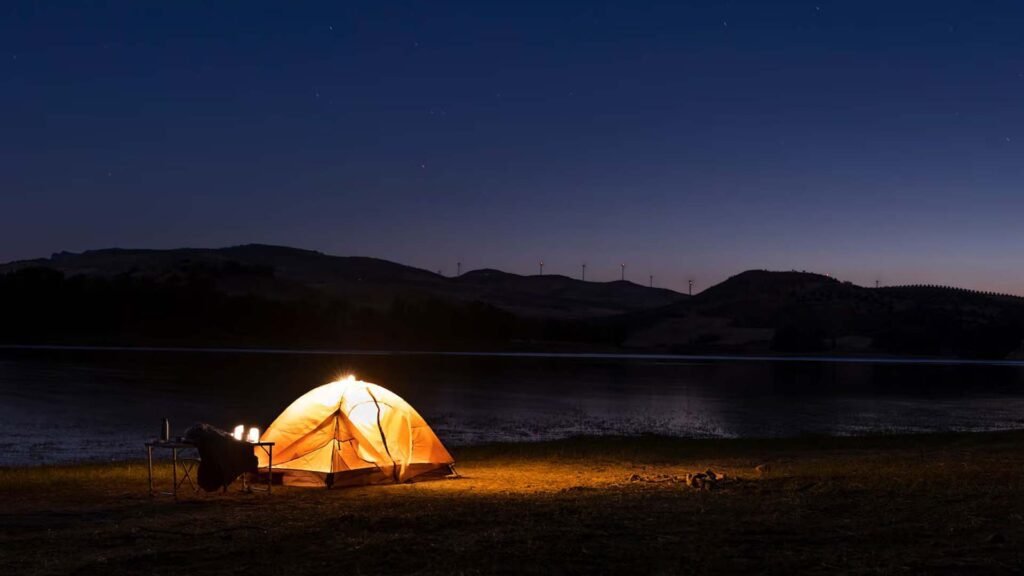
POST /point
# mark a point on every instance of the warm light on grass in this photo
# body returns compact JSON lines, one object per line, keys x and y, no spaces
{"x":547,"y":501}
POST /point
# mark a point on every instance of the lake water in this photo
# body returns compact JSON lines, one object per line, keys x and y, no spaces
{"x":62,"y":405}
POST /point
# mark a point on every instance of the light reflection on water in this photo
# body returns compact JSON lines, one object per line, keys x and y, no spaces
{"x":70,"y":405}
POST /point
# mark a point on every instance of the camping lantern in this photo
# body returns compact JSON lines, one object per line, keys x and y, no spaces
{"x":239,"y":430}
{"x":254,"y":434}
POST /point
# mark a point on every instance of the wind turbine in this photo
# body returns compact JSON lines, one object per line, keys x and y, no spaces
{"x":623,"y":267}
{"x":541,"y":267}
{"x":583,"y":274}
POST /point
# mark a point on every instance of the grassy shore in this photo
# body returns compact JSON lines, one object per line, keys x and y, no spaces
{"x":947,"y":504}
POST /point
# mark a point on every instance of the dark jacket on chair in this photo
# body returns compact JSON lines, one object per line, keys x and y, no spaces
{"x":223,"y":459}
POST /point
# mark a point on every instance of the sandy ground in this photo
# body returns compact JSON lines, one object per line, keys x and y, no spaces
{"x":944,"y":504}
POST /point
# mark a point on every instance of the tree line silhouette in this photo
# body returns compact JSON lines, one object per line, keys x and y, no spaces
{"x":952,"y":289}
{"x":921,"y":320}
{"x":43,"y":306}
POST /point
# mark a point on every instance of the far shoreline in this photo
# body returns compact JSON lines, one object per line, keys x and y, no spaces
{"x":840,"y":359}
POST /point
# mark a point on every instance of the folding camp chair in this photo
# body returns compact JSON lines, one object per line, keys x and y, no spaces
{"x":188,"y":466}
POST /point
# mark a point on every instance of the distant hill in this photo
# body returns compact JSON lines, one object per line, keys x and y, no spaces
{"x":262,"y":295}
{"x":796,"y":312}
{"x":282,"y":273}
{"x":560,"y":295}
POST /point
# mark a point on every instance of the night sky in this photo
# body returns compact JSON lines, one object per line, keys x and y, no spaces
{"x":868,"y":140}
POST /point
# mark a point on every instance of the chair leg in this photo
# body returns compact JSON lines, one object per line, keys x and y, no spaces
{"x":187,"y":468}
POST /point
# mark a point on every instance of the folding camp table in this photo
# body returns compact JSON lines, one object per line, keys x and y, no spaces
{"x":268,"y":449}
{"x":187,"y":465}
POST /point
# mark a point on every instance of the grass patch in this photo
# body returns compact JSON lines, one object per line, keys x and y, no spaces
{"x":947,"y":503}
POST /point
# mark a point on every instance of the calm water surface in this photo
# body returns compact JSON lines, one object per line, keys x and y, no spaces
{"x":73,"y":405}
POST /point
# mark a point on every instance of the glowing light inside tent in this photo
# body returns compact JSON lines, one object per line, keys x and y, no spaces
{"x":364,"y":415}
{"x":239,"y":430}
{"x":254,"y":434}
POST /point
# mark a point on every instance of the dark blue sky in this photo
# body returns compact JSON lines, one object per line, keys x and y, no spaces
{"x":688,"y":139}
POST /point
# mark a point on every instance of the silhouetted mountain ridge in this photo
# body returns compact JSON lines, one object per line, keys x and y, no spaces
{"x":273,"y":295}
{"x":759,"y":311}
{"x":284,"y":273}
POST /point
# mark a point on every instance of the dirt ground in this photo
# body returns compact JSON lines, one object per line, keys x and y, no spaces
{"x":939,"y":504}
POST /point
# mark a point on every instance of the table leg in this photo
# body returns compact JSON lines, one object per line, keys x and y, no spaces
{"x":174,"y":472}
{"x":270,"y":469}
{"x":149,"y":451}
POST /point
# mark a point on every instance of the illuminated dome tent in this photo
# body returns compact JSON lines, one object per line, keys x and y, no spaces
{"x":348,"y":433}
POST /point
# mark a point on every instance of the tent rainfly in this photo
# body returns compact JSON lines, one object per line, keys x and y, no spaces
{"x":350,"y":433}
